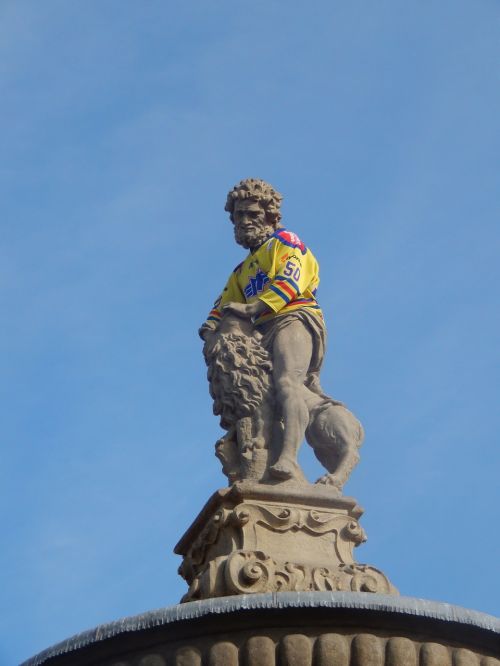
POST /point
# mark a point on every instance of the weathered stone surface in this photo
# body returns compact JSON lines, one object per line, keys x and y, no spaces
{"x":366,"y":650}
{"x":223,"y":654}
{"x":264,"y":344}
{"x":187,"y":656}
{"x":259,"y":651}
{"x":331,"y":650}
{"x":240,"y":375}
{"x":264,"y":356}
{"x":295,"y":650}
{"x":433,"y":654}
{"x":463,"y":657}
{"x":400,"y":651}
{"x":254,"y":538}
{"x":342,"y":628}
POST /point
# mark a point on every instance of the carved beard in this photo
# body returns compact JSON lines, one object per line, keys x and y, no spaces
{"x":254,"y":236}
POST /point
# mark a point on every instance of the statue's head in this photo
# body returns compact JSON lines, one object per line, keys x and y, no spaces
{"x":254,"y":209}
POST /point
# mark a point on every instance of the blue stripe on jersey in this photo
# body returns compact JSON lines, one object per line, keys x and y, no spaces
{"x":280,"y":293}
{"x":289,"y":280}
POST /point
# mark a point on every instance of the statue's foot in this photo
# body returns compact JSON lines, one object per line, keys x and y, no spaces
{"x":329,"y":480}
{"x":284,"y":469}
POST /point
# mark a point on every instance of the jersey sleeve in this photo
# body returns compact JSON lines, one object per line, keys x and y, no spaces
{"x":295,"y":272}
{"x":230,"y":293}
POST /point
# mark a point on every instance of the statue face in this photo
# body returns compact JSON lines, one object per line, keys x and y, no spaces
{"x":250,"y":225}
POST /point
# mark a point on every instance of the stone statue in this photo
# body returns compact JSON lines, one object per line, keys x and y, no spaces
{"x":271,"y":530}
{"x":264,"y":345}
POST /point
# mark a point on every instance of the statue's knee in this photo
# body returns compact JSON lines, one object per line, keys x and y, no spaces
{"x":285,"y":387}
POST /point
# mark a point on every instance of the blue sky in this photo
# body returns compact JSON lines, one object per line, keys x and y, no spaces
{"x":124,"y":126}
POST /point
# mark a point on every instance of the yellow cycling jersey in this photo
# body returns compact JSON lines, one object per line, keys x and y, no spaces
{"x":282,"y":272}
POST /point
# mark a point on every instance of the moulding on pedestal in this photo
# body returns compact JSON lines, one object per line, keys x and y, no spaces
{"x":254,"y":538}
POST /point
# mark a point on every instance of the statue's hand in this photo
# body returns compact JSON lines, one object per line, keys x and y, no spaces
{"x":245,"y":310}
{"x":205,"y":332}
{"x":238,"y":309}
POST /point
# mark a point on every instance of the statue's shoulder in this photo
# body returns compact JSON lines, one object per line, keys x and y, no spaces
{"x":290,"y":239}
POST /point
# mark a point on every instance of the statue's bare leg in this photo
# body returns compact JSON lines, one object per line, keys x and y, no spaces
{"x":339,"y":467}
{"x":292,"y":350}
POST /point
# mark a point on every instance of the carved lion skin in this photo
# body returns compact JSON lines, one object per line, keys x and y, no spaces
{"x":240,"y":379}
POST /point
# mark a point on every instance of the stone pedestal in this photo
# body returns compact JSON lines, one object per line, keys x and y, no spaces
{"x":253,"y":538}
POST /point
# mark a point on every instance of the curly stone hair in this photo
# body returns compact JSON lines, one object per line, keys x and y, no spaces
{"x":257,"y":190}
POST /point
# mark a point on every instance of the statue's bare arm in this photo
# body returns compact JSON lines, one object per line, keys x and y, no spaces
{"x":246,"y":310}
{"x":242,"y":310}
